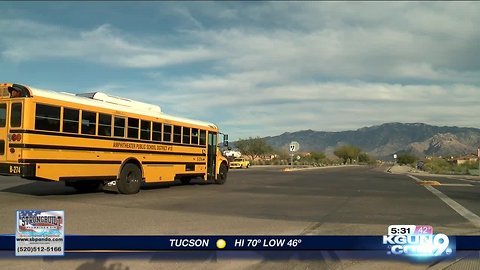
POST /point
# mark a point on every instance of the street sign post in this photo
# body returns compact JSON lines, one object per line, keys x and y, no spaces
{"x":294,"y":146}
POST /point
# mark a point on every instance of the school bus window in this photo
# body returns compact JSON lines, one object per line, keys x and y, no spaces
{"x":16,"y":118}
{"x":167,"y":133}
{"x":177,"y":134}
{"x":3,"y":114}
{"x":132,"y":128}
{"x":47,"y":117}
{"x":145,"y":130}
{"x":157,"y":131}
{"x":104,"y":124}
{"x":89,"y":122}
{"x":203,"y":136}
{"x":194,"y":135}
{"x":119,"y":127}
{"x":70,"y":120}
{"x":186,"y":135}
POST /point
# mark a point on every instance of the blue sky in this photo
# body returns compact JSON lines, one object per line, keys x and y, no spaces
{"x":257,"y":68}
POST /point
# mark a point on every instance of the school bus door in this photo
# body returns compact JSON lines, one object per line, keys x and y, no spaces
{"x":4,"y":105}
{"x":211,"y":154}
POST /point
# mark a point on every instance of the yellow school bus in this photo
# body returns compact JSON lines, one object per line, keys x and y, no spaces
{"x":94,"y":139}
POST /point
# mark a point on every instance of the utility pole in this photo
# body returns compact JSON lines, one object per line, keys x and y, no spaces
{"x":478,"y":159}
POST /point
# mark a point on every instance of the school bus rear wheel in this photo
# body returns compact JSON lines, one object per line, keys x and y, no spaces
{"x":130,"y":179}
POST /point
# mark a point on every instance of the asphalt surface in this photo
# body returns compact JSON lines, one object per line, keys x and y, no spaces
{"x":262,"y":200}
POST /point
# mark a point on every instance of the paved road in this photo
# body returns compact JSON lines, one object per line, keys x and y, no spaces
{"x":335,"y":201}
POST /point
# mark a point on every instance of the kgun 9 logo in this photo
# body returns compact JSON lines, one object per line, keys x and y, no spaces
{"x":418,"y":244}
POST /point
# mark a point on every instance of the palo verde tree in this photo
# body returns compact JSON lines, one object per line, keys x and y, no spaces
{"x":405,"y":159}
{"x":282,"y":154}
{"x":253,"y":147}
{"x":317,"y":157}
{"x":347,"y":152}
{"x":365,"y":158}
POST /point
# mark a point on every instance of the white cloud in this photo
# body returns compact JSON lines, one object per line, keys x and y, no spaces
{"x":270,"y":67}
{"x":247,"y":109}
{"x":102,"y":44}
{"x":425,"y":41}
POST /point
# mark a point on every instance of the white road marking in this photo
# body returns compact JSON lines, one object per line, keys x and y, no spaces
{"x":464,"y":212}
{"x":457,"y":185}
{"x":463,"y":179}
{"x":415,"y":178}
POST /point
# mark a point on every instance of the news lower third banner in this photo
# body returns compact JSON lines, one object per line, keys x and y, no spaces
{"x":391,"y":244}
{"x":41,"y":233}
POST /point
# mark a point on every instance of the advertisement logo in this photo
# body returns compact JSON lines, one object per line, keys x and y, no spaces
{"x":417,"y":240}
{"x":39,"y":233}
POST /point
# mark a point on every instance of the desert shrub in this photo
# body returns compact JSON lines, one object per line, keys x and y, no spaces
{"x":465,"y":167}
{"x":406,"y":159}
{"x":438,"y":165}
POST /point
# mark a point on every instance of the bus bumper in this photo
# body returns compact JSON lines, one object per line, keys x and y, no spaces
{"x":22,"y":170}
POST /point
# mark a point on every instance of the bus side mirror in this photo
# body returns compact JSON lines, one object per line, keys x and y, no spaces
{"x":225,"y":139}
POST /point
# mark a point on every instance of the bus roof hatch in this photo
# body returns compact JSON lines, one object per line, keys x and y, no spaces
{"x":122,"y":101}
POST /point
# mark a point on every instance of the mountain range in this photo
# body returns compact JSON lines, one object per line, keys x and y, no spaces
{"x":382,"y":141}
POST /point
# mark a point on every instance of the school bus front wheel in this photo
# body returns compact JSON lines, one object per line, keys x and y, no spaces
{"x":130,"y":179}
{"x":185,"y":180}
{"x":222,"y":175}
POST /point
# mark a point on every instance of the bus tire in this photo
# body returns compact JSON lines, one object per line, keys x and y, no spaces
{"x":222,"y":175}
{"x":130,"y":179}
{"x":85,"y":186}
{"x":185,"y":180}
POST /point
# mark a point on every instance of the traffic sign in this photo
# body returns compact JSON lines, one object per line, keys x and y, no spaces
{"x":294,"y":146}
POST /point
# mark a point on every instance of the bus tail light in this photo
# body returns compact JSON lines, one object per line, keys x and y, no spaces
{"x":16,"y":137}
{"x":12,"y":150}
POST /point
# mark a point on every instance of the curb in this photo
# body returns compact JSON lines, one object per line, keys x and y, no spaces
{"x":425,"y":174}
{"x":316,"y":168}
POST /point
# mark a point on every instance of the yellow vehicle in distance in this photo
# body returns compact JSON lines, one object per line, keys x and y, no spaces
{"x":240,"y":163}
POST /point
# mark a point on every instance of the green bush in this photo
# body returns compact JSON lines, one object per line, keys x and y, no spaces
{"x":406,"y":159}
{"x":437,"y":165}
{"x":441,"y":166}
